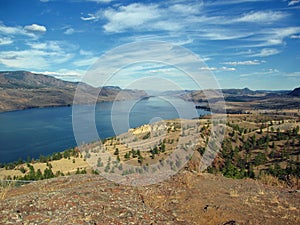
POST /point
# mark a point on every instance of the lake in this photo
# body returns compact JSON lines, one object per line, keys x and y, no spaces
{"x":35,"y":132}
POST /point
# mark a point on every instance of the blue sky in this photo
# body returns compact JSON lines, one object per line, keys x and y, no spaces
{"x":244,"y":43}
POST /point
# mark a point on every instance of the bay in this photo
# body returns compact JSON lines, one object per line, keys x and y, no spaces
{"x":43,"y":131}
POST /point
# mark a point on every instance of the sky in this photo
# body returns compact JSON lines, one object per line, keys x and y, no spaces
{"x":239,"y":43}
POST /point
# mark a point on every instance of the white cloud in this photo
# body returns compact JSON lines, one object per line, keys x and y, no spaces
{"x":293,"y":74}
{"x":186,"y":8}
{"x":262,"y":73}
{"x":111,"y":65}
{"x":90,"y":17}
{"x":29,"y":30}
{"x":193,"y":19}
{"x":295,"y":36}
{"x":131,"y":16}
{"x":85,"y":62}
{"x":184,"y":18}
{"x":69,"y":31}
{"x":147,"y":17}
{"x":26,"y":59}
{"x":266,"y":52}
{"x":205,"y":58}
{"x":206,"y":68}
{"x":272,"y":36}
{"x":227,"y":69}
{"x":6,"y":30}
{"x":41,"y":55}
{"x":48,"y":45}
{"x":32,"y":59}
{"x":166,"y":25}
{"x":262,"y":17}
{"x":100,"y":1}
{"x":38,"y":45}
{"x":232,"y":2}
{"x":245,"y":63}
{"x":222,"y":34}
{"x":174,"y":37}
{"x":6,"y":41}
{"x":35,"y":28}
{"x":293,"y":2}
{"x":85,"y":53}
{"x":64,"y":74}
{"x":284,"y":32}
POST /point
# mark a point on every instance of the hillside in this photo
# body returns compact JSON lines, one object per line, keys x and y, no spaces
{"x":242,"y":100}
{"x":187,"y":198}
{"x":260,"y":146}
{"x":22,"y":90}
{"x":295,"y":92}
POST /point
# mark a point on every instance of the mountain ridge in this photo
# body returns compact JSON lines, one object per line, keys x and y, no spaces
{"x":295,"y":92}
{"x":22,"y":90}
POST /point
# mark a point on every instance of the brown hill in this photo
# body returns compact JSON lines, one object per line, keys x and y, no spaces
{"x":241,"y":100}
{"x":22,"y":90}
{"x":187,"y":198}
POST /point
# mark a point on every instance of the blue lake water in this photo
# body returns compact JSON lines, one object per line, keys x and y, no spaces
{"x":36,"y":132}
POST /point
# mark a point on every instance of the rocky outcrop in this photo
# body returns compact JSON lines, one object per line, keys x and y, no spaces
{"x":186,"y":198}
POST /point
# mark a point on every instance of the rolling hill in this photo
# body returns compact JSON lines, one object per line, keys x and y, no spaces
{"x":22,"y":90}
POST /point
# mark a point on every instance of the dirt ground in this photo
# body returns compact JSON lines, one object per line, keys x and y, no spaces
{"x":187,"y":198}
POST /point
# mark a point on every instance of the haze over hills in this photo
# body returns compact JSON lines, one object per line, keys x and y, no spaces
{"x":243,"y":100}
{"x":21,"y":90}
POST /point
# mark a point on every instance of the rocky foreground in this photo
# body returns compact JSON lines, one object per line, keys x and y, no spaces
{"x":187,"y":198}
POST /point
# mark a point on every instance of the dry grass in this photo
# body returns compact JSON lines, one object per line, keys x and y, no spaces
{"x":5,"y":173}
{"x":63,"y":165}
{"x":233,"y":193}
{"x":4,"y":189}
{"x":272,"y":181}
{"x":274,"y":199}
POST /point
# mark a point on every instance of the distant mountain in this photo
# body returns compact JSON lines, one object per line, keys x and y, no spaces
{"x":295,"y":92}
{"x":23,"y":89}
{"x":244,"y":91}
{"x":241,"y":100}
{"x":28,"y":80}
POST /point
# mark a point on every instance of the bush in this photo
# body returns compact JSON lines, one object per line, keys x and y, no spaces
{"x":259,"y":159}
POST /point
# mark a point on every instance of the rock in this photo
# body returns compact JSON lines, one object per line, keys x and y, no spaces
{"x":194,"y":163}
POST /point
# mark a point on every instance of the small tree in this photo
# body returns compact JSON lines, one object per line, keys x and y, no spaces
{"x":116,"y":151}
{"x":127,"y":155}
{"x":140,"y":159}
{"x":39,"y":175}
{"x":259,"y":159}
{"x":48,"y":173}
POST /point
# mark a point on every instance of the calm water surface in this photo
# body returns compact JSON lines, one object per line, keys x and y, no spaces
{"x":34,"y":132}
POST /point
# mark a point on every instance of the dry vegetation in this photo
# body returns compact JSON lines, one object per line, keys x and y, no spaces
{"x":263,"y":146}
{"x":186,"y":198}
{"x":271,"y":159}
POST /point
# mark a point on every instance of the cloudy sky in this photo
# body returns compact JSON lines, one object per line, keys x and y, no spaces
{"x":243,"y":43}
